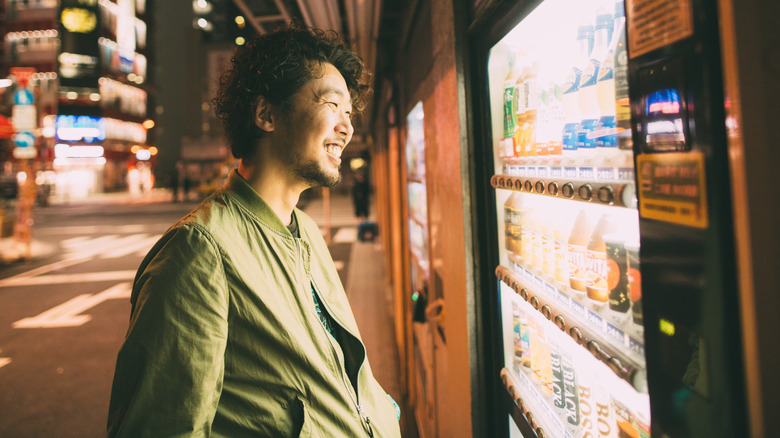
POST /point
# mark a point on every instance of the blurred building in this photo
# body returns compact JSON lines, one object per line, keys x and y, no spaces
{"x":92,"y":91}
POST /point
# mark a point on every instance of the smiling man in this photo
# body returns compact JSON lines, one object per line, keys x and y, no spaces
{"x":240,"y":325}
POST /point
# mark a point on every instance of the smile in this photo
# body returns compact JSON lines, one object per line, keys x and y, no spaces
{"x":333,"y":149}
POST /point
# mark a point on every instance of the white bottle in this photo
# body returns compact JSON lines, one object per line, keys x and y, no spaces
{"x":588,"y":96}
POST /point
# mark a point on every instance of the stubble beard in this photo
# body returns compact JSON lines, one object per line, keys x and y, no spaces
{"x":316,"y":176}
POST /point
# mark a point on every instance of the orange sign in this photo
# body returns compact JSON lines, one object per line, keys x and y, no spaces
{"x":6,"y":127}
{"x":22,"y":74}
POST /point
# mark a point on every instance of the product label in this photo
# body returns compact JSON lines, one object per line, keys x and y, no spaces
{"x":672,"y":188}
{"x":509,"y":113}
{"x":578,"y":266}
{"x":657,"y":23}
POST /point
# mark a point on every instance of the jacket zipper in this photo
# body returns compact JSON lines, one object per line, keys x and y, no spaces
{"x":342,"y":368}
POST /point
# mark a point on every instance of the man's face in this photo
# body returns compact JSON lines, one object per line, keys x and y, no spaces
{"x":316,"y":129}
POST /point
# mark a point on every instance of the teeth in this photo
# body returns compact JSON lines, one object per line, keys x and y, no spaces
{"x":334,"y":150}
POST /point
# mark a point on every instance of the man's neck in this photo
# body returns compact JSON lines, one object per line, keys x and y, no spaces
{"x":273,"y":188}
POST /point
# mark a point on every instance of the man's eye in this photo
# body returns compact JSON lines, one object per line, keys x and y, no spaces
{"x":333,"y":104}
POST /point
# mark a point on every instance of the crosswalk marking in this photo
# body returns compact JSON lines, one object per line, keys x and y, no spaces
{"x":4,"y":361}
{"x":110,"y":246}
{"x":81,"y":249}
{"x":67,"y":314}
{"x":71,"y":278}
{"x":141,"y":247}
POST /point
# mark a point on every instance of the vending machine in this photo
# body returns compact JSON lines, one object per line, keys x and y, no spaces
{"x":614,"y":312}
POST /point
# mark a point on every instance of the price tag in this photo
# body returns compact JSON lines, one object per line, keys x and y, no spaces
{"x":636,"y":346}
{"x":595,"y":319}
{"x":579,"y":308}
{"x":616,"y":334}
{"x":626,"y":174}
{"x":605,"y":173}
{"x":570,"y":172}
{"x":586,"y":173}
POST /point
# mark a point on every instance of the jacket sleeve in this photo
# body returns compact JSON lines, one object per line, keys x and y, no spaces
{"x":170,"y":370}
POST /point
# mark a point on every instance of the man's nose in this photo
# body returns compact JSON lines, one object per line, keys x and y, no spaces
{"x":344,"y":127}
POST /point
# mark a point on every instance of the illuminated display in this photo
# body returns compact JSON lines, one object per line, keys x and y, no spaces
{"x":62,"y":150}
{"x":663,"y":112}
{"x":78,"y":20}
{"x":78,"y":128}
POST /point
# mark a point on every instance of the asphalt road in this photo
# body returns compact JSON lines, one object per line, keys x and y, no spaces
{"x":63,"y":316}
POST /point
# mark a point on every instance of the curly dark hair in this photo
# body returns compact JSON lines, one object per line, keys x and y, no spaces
{"x":275,"y":66}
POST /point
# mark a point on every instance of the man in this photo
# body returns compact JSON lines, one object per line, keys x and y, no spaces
{"x":240,"y":325}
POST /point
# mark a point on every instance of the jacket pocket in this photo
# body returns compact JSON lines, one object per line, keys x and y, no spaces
{"x":301,"y":414}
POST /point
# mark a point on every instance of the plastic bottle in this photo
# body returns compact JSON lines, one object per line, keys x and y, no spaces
{"x":528,"y":236}
{"x":545,"y":360}
{"x":521,"y":103}
{"x":510,"y":100}
{"x":617,"y":277}
{"x":518,"y":213}
{"x":570,"y":89}
{"x":588,"y":96}
{"x":561,"y":251}
{"x":605,"y":89}
{"x":548,"y":248}
{"x":531,"y":97}
{"x":578,"y":252}
{"x":508,"y":223}
{"x":635,"y":282}
{"x":596,"y":284}
{"x":620,"y":67}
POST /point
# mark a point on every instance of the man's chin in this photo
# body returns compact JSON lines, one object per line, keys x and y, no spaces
{"x":317,"y":177}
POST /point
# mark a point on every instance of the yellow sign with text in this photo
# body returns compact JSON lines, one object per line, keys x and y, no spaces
{"x":672,"y":188}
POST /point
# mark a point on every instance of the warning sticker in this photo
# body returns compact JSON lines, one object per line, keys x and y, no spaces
{"x":656,"y":23}
{"x":672,"y":188}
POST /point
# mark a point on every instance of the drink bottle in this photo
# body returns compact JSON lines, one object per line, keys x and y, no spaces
{"x":596,"y":285}
{"x":588,"y":97}
{"x":570,"y":99}
{"x":577,"y":252}
{"x":620,"y":71}
{"x":617,"y":277}
{"x":635,"y":282}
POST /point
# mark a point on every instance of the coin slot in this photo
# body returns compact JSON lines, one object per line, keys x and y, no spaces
{"x":567,"y":190}
{"x":585,"y":192}
{"x":606,"y":195}
{"x":552,"y":188}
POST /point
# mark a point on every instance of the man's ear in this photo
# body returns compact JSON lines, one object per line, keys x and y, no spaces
{"x":263,"y":117}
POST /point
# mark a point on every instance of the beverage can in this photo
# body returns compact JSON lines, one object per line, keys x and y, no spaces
{"x":634,"y":281}
{"x":617,"y":276}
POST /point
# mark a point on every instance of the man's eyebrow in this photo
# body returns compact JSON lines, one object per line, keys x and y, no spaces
{"x":329,"y":90}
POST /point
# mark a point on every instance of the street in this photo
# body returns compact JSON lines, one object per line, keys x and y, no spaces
{"x":64,"y":314}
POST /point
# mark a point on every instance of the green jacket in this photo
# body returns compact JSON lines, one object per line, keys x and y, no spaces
{"x":224,"y":338}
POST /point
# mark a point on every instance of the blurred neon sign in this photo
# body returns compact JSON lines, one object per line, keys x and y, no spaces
{"x":78,"y":128}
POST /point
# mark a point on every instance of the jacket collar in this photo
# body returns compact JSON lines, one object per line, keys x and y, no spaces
{"x":238,"y":188}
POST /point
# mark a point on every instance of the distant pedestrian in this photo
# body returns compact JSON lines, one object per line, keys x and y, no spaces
{"x":361,"y":195}
{"x":240,"y":325}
